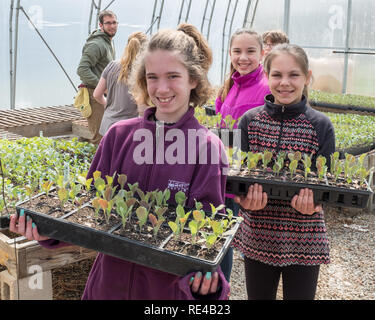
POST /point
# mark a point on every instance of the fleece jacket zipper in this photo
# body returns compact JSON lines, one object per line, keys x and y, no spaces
{"x":281,"y":128}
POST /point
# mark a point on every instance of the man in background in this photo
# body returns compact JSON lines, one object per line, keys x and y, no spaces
{"x":271,"y":39}
{"x":97,"y":52}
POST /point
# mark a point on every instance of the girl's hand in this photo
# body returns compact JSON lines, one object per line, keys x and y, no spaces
{"x":304,"y":202}
{"x":25,"y":227}
{"x":255,"y":199}
{"x":204,"y":284}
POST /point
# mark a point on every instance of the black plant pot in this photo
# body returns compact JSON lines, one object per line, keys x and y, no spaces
{"x":124,"y":248}
{"x":286,"y":190}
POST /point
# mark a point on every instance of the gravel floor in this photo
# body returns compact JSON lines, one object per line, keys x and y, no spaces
{"x":351,"y":273}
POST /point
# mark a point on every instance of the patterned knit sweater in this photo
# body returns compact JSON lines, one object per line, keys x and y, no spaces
{"x":278,"y":234}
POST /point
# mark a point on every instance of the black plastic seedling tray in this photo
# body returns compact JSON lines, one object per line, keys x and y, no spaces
{"x":4,"y":222}
{"x":124,"y":248}
{"x":285,"y":190}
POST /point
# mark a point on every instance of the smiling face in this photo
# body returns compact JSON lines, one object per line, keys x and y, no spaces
{"x":286,"y":79}
{"x":109,"y":25}
{"x":168,"y":84}
{"x":245,"y":53}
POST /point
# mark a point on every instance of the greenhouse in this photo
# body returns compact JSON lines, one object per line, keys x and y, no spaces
{"x":146,"y":203}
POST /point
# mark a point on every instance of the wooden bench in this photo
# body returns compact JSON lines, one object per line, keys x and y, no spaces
{"x":28,"y":275}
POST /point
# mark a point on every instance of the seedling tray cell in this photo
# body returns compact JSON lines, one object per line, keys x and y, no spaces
{"x":286,"y":190}
{"x":122,"y":247}
{"x":4,"y":222}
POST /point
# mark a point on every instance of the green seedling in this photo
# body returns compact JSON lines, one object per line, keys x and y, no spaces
{"x":229,"y":122}
{"x":121,"y":179}
{"x":46,"y":186}
{"x":210,"y":239}
{"x":266,"y":158}
{"x":334,"y":162}
{"x":253,"y":159}
{"x":295,"y":156}
{"x":349,"y":167}
{"x":215,"y":210}
{"x":63,"y":195}
{"x":197,"y":223}
{"x":99,"y":183}
{"x":123,"y":210}
{"x":181,"y":218}
{"x":180,"y":198}
{"x":156,"y":223}
{"x":95,"y":203}
{"x":321,"y":167}
{"x":142,"y":215}
{"x":307,"y":164}
{"x":293,"y":167}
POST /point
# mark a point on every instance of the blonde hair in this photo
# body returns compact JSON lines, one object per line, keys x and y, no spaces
{"x":135,"y":43}
{"x":195,"y":54}
{"x":293,"y":50}
{"x":228,"y":83}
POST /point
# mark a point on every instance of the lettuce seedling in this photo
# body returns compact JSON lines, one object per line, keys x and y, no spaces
{"x":307,"y":164}
{"x":180,"y":198}
{"x":266,"y":158}
{"x":197,"y":223}
{"x":121,"y":179}
{"x":46,"y":186}
{"x":293,"y":167}
{"x":321,"y":167}
{"x":156,"y":223}
{"x":349,"y":167}
{"x":334,"y":162}
{"x":123,"y":210}
{"x":142,"y":215}
{"x":181,"y":218}
{"x":215,"y":210}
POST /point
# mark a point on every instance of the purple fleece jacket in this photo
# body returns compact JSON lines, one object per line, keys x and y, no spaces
{"x":113,"y":278}
{"x":247,"y":92}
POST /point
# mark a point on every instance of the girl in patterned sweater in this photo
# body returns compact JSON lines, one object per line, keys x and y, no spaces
{"x":284,"y":237}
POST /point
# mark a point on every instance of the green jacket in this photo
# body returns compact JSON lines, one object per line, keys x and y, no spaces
{"x":97,"y":52}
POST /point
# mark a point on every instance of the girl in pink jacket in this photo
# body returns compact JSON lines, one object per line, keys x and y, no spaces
{"x":246,"y":85}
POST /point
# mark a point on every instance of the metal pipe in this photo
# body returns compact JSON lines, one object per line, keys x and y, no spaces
{"x":11,"y":53}
{"x":229,"y":34}
{"x":181,"y":9}
{"x":109,"y":5}
{"x":353,"y":52}
{"x":15,"y":54}
{"x":90,"y":18}
{"x":160,"y":13}
{"x":153,"y":19}
{"x":246,"y":13}
{"x":150,"y":27}
{"x":286,"y":16}
{"x":98,"y":13}
{"x":254,"y":13}
{"x":209,"y":22}
{"x":347,"y":36}
{"x":223,"y":42}
{"x":207,"y":35}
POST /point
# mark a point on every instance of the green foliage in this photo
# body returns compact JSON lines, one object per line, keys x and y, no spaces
{"x":266,"y":158}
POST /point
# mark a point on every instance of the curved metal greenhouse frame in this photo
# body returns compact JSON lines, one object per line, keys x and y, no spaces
{"x":209,"y":8}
